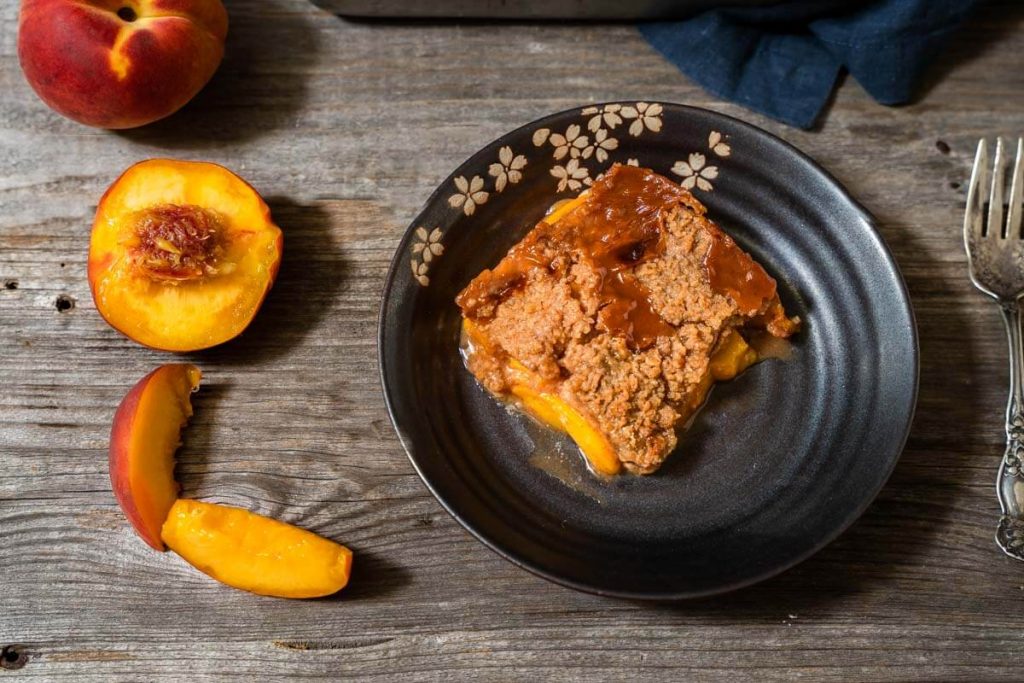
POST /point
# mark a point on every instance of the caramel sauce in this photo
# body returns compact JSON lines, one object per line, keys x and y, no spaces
{"x":733,"y":273}
{"x":617,"y":227}
{"x":622,"y":229}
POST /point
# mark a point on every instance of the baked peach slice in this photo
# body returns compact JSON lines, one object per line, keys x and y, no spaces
{"x":255,"y":553}
{"x":146,"y":433}
{"x":732,"y":356}
{"x":182,"y":254}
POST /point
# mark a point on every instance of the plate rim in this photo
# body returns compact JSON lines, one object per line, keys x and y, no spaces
{"x":890,"y":263}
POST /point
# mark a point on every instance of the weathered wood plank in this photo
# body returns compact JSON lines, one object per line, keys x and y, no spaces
{"x":346,"y":128}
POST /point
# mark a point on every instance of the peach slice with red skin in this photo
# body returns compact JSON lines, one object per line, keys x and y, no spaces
{"x":145,"y":435}
{"x":239,"y":548}
{"x":182,"y":254}
{"x":120,"y":63}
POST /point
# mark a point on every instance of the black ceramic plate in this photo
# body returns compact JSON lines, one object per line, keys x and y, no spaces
{"x":780,"y":460}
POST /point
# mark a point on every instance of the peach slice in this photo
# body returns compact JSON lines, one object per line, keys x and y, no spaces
{"x":256,"y":553}
{"x":562,"y":208}
{"x":182,"y":254}
{"x":552,"y":410}
{"x":146,"y":432}
{"x":733,"y":356}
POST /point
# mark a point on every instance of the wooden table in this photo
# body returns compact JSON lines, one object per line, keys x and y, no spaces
{"x":346,"y":128}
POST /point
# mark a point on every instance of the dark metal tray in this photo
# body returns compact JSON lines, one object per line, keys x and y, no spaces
{"x":526,"y":9}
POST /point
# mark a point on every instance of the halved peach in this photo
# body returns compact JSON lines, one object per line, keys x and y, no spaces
{"x":146,"y":433}
{"x":182,"y":254}
{"x":256,"y":553}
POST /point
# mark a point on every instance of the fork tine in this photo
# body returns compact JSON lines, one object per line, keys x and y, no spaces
{"x":1013,"y":217}
{"x":995,"y":201}
{"x":975,"y":194}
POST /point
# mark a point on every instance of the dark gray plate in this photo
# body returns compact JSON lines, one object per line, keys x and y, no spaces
{"x":778,"y":463}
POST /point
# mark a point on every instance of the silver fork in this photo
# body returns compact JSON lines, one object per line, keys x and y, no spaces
{"x":995,"y":254}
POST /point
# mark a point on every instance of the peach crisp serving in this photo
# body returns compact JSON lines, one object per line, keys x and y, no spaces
{"x":614,"y":316}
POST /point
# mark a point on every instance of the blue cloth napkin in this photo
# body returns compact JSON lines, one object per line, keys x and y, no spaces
{"x":783,"y":59}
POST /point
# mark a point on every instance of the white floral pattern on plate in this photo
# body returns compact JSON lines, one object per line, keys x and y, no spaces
{"x":601,"y":146}
{"x":572,"y":143}
{"x":608,"y":115}
{"x":590,"y":141}
{"x":717,"y":145}
{"x":580,"y":147}
{"x":572,"y":176}
{"x":426,"y":248}
{"x":696,"y":172}
{"x":645,"y":116}
{"x":470,"y":194}
{"x":508,"y":168}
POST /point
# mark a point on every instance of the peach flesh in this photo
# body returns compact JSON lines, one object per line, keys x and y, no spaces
{"x":182,"y":254}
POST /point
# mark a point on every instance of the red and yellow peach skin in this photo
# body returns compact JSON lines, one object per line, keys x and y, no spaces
{"x":120,"y":63}
{"x":145,"y":434}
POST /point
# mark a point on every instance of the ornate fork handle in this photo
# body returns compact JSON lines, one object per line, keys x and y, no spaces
{"x":1010,"y":483}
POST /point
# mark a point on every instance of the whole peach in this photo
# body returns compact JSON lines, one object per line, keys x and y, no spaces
{"x":120,"y":63}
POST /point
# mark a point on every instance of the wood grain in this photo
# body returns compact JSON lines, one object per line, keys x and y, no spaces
{"x":347,"y":127}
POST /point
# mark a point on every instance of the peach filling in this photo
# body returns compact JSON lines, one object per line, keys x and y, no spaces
{"x":733,"y":356}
